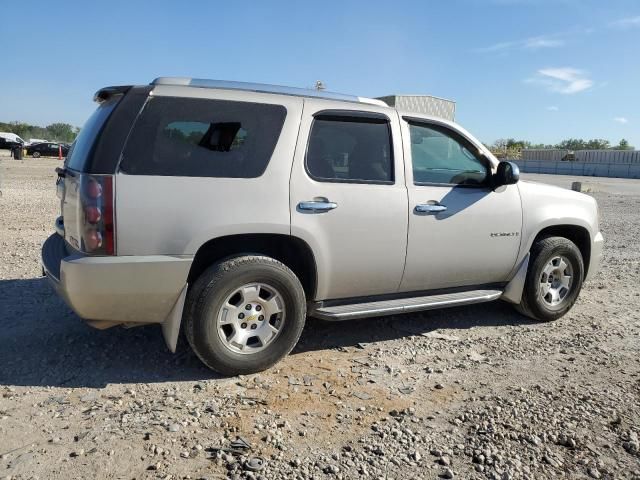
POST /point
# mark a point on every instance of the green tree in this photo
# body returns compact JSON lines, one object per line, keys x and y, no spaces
{"x":572,"y":144}
{"x":21,"y":129}
{"x":598,"y":144}
{"x":62,"y":132}
{"x":623,"y":145}
{"x":517,"y":145}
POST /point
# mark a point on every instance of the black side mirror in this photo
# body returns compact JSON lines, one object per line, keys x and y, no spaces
{"x":507,"y":173}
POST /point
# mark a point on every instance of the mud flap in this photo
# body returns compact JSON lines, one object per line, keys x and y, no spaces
{"x":513,"y":291}
{"x":171,"y":324}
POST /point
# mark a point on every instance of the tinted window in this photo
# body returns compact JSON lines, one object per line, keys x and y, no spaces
{"x":203,"y":138}
{"x":440,"y":157}
{"x":350,"y":149}
{"x":81,"y":148}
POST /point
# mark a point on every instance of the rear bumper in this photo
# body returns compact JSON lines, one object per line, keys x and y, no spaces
{"x":596,"y":256}
{"x":126,"y":289}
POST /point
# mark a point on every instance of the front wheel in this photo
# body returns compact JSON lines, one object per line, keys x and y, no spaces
{"x":554,"y":279}
{"x":35,"y":154}
{"x":244,"y":314}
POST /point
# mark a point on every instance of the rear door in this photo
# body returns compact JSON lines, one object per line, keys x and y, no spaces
{"x":348,"y":198}
{"x":461,"y":231}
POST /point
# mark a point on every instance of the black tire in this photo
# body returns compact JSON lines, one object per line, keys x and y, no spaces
{"x":206,"y":298}
{"x":35,"y":154}
{"x":542,"y":252}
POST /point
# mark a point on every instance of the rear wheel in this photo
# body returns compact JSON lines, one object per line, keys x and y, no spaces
{"x":244,"y":314}
{"x":554,"y":279}
{"x":35,"y":154}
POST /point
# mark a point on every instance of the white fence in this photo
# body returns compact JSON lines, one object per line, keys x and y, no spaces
{"x":596,"y":163}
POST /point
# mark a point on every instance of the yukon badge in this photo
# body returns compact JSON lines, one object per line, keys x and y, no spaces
{"x":504,"y":234}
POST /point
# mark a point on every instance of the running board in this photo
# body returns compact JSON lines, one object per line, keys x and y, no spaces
{"x":404,"y":305}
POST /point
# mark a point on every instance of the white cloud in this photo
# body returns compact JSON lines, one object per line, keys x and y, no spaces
{"x":542,"y":42}
{"x":496,"y":47}
{"x":565,"y":80}
{"x":622,"y":120}
{"x":532,"y":43}
{"x":629,"y":22}
{"x":553,"y":108}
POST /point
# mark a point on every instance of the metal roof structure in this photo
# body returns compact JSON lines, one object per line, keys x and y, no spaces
{"x":427,"y":104}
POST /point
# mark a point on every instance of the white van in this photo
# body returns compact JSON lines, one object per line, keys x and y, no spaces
{"x":10,"y":140}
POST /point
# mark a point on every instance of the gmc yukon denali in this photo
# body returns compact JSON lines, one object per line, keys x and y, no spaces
{"x":234,"y":210}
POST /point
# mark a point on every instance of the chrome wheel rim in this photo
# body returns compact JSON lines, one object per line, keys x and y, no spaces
{"x":556,"y":281}
{"x":251,"y":318}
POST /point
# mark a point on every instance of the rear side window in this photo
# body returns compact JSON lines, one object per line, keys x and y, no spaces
{"x":191,"y":137}
{"x":80,"y":151}
{"x":350,"y":149}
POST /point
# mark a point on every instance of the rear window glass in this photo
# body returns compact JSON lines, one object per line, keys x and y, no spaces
{"x":81,"y":148}
{"x":203,"y":138}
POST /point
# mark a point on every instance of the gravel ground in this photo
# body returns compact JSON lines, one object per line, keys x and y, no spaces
{"x":475,"y":392}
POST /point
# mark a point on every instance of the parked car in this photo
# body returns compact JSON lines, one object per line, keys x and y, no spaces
{"x":9,"y":141}
{"x":47,"y":149}
{"x":235,"y":210}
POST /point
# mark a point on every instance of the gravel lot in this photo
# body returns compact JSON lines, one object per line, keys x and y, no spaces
{"x":474,"y":392}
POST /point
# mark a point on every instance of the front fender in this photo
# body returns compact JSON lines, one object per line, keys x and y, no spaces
{"x":546,"y":206}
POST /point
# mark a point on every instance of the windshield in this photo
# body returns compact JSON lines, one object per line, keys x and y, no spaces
{"x":81,"y":148}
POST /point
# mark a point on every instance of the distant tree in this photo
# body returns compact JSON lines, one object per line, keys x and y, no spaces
{"x":597,"y":144}
{"x":541,"y":146}
{"x":21,"y":129}
{"x":517,"y":145}
{"x":500,"y":145}
{"x":62,"y":132}
{"x":571,"y":144}
{"x":623,"y":145}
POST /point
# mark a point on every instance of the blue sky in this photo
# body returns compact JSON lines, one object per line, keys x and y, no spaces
{"x":543,"y":70}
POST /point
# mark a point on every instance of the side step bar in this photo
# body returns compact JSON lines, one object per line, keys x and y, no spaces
{"x":404,"y":305}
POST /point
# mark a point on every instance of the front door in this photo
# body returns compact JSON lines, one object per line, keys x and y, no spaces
{"x":349,"y":200}
{"x":461,"y":232}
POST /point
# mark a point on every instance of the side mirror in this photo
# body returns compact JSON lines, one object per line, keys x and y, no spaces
{"x":507,"y":173}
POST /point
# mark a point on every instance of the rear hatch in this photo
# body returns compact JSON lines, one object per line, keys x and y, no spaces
{"x":86,"y":182}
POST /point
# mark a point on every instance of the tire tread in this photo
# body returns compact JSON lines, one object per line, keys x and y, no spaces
{"x":204,"y":286}
{"x":527,"y":305}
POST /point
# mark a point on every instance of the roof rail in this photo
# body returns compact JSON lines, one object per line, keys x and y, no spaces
{"x":264,"y":88}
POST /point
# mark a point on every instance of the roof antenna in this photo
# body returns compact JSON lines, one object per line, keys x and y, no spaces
{"x":320,"y":85}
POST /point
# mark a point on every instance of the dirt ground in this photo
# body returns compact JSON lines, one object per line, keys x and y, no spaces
{"x":473,"y":392}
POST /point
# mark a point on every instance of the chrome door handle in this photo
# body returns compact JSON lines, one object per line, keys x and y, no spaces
{"x":430,"y":208}
{"x":316,"y":207}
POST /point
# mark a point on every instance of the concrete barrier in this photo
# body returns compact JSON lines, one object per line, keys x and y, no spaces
{"x":588,"y":169}
{"x":587,"y":156}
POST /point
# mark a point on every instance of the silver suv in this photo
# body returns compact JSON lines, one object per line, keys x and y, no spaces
{"x":235,"y":210}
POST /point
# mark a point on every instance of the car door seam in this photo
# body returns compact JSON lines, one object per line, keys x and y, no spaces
{"x":406,"y":192}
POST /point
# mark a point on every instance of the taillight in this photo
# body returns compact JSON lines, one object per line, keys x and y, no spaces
{"x":96,"y":198}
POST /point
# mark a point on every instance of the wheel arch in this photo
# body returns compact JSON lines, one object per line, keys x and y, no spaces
{"x":294,"y":252}
{"x":576,"y":233}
